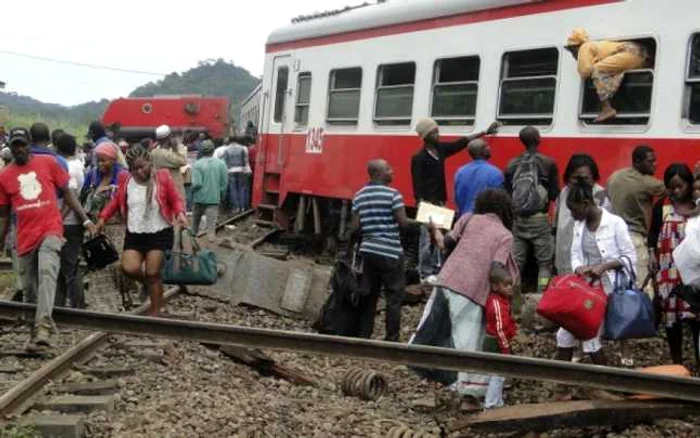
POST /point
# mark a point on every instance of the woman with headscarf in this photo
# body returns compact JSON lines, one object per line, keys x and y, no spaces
{"x":476,"y":241}
{"x":102,"y":180}
{"x":605,"y":63}
{"x":99,"y":187}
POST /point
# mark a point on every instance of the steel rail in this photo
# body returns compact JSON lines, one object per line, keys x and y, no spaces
{"x":16,"y":399}
{"x":616,"y":379}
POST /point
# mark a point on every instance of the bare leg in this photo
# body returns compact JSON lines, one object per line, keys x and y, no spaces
{"x":607,"y":112}
{"x":154,"y":282}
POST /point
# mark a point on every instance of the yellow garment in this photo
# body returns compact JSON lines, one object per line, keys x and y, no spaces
{"x":602,"y":56}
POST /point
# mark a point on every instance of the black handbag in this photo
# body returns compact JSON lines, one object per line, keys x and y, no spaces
{"x":99,"y":252}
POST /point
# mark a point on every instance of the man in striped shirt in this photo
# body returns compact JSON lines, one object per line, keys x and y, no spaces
{"x":378,"y":213}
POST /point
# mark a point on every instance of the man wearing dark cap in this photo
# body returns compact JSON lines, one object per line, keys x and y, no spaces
{"x":28,"y":188}
{"x":209,"y":180}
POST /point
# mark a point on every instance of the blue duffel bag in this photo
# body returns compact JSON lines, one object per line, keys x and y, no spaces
{"x":630,"y":312}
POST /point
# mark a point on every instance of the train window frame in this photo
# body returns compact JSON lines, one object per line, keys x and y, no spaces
{"x":691,"y":82}
{"x":623,"y":118}
{"x":459,"y":119}
{"x":299,"y":106}
{"x":523,"y":119}
{"x":278,"y":116}
{"x":332,"y":90}
{"x":401,"y":120}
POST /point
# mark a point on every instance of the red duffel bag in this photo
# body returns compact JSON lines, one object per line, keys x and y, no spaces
{"x":570,"y":301}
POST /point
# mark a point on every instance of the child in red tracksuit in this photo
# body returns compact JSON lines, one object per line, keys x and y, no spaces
{"x":500,"y":327}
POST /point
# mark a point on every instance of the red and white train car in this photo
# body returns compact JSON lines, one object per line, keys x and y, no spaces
{"x":341,"y":90}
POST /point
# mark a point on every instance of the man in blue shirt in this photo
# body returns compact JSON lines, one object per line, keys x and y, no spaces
{"x":475,"y":177}
{"x":41,"y":137}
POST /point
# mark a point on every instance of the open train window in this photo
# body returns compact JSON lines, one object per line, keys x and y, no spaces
{"x":344,"y":96}
{"x":455,"y":88}
{"x":528,"y":87}
{"x":692,"y":81}
{"x":632,"y":100}
{"x":301,"y":109}
{"x":394,"y":98}
{"x":281,"y":93}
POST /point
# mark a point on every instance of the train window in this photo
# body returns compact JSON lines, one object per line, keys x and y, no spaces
{"x":281,"y":93}
{"x":692,"y":81}
{"x":632,"y":100}
{"x":344,"y":96}
{"x":301,"y":110}
{"x":455,"y":86}
{"x":394,"y":96}
{"x":528,"y":87}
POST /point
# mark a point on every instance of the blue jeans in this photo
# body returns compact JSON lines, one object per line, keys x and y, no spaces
{"x":427,"y":255}
{"x":188,"y":197}
{"x":238,"y":190}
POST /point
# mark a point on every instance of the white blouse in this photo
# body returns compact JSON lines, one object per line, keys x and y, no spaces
{"x":136,"y":204}
{"x":614,"y":243}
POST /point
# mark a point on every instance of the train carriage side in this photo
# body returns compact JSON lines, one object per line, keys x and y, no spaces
{"x":327,"y":109}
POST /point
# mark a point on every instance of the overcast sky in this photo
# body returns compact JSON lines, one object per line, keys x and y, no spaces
{"x":146,"y":35}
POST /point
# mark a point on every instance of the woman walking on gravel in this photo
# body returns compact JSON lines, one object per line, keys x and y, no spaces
{"x":474,"y":244}
{"x":600,"y":246}
{"x":667,"y":231}
{"x":150,"y":204}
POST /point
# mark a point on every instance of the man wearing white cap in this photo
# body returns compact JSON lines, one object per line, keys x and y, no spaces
{"x":428,"y":174}
{"x":167,"y":155}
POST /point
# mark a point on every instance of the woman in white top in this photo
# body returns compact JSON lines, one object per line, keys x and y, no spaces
{"x":150,"y":204}
{"x":581,"y":168}
{"x":601,"y":246}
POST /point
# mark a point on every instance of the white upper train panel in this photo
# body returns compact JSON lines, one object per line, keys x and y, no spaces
{"x":384,"y":14}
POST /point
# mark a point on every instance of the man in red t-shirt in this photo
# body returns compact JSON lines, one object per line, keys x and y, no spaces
{"x":28,"y":187}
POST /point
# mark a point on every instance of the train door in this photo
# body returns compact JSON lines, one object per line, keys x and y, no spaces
{"x":278,"y":125}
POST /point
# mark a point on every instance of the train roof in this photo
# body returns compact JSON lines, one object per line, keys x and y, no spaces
{"x":384,"y":14}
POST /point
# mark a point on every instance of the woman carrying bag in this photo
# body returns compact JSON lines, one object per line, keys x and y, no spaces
{"x":150,"y":205}
{"x":668,"y":224}
{"x":601,"y":243}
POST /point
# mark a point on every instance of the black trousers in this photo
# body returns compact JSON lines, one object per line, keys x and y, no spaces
{"x":69,"y":285}
{"x":378,"y":271}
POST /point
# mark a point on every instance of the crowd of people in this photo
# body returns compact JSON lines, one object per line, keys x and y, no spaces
{"x":628,"y":226}
{"x":55,"y":194}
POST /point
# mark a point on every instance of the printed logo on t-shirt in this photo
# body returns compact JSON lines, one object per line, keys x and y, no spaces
{"x":29,"y":186}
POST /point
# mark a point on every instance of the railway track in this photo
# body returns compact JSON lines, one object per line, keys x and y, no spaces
{"x":21,"y":396}
{"x":616,"y":379}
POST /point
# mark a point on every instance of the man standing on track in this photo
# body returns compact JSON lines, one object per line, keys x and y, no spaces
{"x":475,"y":177}
{"x":238,"y":164}
{"x":378,"y":212}
{"x":532,"y":179}
{"x":209,"y":180}
{"x":632,"y":191}
{"x":28,"y":187}
{"x":428,"y":174}
{"x":168,"y":155}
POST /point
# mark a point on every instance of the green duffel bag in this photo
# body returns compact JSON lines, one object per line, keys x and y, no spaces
{"x":195,"y":268}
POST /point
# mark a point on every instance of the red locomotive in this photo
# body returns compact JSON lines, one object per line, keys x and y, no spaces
{"x":138,"y":117}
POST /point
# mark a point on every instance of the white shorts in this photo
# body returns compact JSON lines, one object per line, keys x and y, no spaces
{"x":567,"y":340}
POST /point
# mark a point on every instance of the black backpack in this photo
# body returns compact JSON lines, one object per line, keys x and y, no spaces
{"x":526,"y":197}
{"x":340,"y":315}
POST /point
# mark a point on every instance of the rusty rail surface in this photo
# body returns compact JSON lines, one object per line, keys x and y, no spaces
{"x":616,"y":379}
{"x":15,"y":400}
